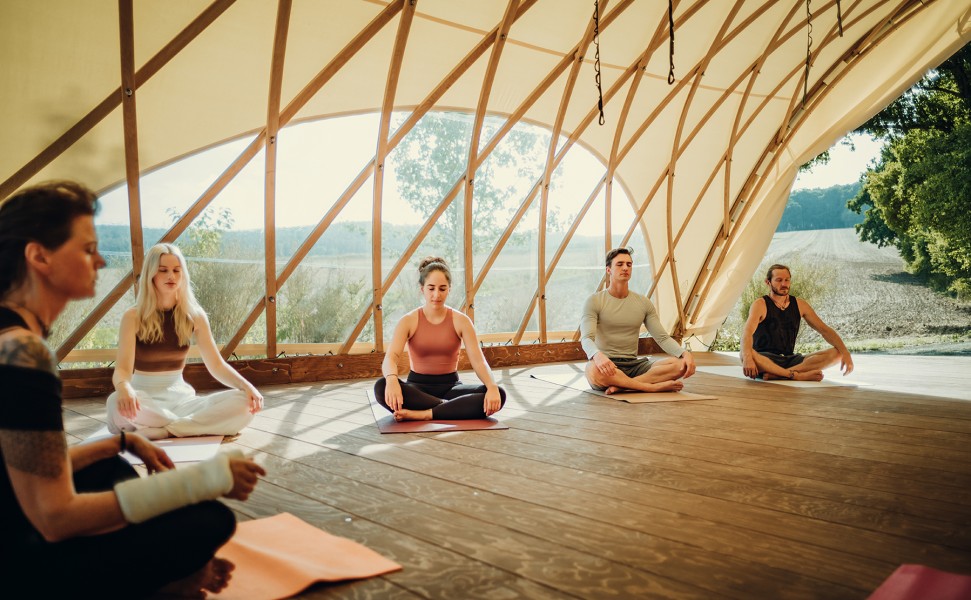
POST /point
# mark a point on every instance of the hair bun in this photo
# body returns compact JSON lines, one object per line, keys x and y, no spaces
{"x":429,"y":260}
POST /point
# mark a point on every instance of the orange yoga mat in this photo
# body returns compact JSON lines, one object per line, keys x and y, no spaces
{"x":280,"y":556}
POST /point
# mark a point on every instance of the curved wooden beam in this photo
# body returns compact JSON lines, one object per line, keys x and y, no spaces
{"x":621,"y":81}
{"x":325,"y":222}
{"x":771,"y":156}
{"x":575,"y":58}
{"x":104,"y":108}
{"x":675,"y":155}
{"x":540,"y":297}
{"x":237,"y":165}
{"x":508,"y":17}
{"x":426,"y":105}
{"x":777,"y":40}
{"x":380,"y":154}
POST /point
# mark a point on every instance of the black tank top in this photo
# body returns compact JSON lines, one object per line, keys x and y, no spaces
{"x":777,"y":331}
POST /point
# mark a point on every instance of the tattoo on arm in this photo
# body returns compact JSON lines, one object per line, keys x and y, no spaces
{"x":27,"y":350}
{"x":42,"y":453}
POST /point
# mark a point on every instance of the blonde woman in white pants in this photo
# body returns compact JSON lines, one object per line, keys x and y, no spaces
{"x":150,"y":396}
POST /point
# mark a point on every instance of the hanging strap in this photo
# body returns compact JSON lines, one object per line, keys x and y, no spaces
{"x":809,"y":48}
{"x":671,"y":41}
{"x":596,"y":62}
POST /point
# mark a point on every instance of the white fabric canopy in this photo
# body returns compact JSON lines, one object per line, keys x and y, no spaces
{"x":738,"y":101}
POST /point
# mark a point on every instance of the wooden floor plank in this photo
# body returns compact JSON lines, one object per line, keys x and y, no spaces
{"x":766,"y":491}
{"x":625,"y":546}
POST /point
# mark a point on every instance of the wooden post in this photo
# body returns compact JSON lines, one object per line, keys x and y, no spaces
{"x":269,"y":181}
{"x":126,"y":28}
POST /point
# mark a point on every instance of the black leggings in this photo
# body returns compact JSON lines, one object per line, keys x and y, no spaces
{"x":448,"y":398}
{"x":132,"y":562}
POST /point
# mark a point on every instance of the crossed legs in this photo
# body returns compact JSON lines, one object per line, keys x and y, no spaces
{"x":810,"y":369}
{"x":663,"y":376}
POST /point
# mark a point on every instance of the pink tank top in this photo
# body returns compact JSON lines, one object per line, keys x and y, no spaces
{"x":434,"y":349}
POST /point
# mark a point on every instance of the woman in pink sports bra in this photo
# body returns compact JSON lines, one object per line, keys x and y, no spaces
{"x":434,"y":333}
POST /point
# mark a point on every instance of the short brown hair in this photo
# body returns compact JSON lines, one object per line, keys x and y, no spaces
{"x":613,"y":254}
{"x":44,"y":214}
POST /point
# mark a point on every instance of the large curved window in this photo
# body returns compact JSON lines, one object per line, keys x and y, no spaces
{"x":325,"y":240}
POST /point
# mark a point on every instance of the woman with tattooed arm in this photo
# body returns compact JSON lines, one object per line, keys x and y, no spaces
{"x":81,"y":512}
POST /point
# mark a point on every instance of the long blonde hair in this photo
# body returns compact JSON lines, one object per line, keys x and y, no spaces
{"x":146,"y":300}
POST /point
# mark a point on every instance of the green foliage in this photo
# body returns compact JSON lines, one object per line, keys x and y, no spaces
{"x":225,"y":288}
{"x":938,"y":102}
{"x":919,"y":195}
{"x":434,"y":155}
{"x":317,"y":305}
{"x":918,"y":200}
{"x":812,"y":282}
{"x":820,"y":209}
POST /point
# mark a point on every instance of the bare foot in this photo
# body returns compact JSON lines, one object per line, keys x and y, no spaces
{"x":675,"y":385}
{"x":214,"y":577}
{"x":405,"y":414}
{"x":814,"y":375}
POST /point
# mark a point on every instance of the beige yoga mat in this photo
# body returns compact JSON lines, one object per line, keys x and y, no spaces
{"x":577,"y":381}
{"x":180,"y":450}
{"x":386,"y":423}
{"x":830,"y":378}
{"x":280,"y":556}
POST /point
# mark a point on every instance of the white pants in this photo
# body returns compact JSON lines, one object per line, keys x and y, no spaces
{"x":166,"y":400}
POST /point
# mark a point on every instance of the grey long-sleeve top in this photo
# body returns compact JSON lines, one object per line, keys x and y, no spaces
{"x":611,"y":325}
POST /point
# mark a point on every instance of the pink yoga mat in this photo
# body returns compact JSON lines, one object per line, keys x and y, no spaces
{"x":280,"y":556}
{"x":386,"y":423}
{"x":917,"y":582}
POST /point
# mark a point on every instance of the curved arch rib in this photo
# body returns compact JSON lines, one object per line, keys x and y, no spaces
{"x":104,"y":108}
{"x":384,"y":126}
{"x":376,"y":24}
{"x":508,"y":17}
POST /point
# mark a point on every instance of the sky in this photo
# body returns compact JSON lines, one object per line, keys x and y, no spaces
{"x":846,"y":163}
{"x":311,"y":174}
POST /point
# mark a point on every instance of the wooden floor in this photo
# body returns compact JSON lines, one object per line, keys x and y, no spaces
{"x":766,"y":492}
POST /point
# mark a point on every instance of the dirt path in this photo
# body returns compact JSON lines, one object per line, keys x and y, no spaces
{"x":873,"y":298}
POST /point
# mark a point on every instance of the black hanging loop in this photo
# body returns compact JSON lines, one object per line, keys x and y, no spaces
{"x":671,"y":41}
{"x":596,"y":62}
{"x":839,"y":17}
{"x":809,"y":48}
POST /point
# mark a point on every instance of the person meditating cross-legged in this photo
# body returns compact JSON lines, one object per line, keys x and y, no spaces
{"x":434,"y":333}
{"x":609,"y":329}
{"x":769,"y":337}
{"x":150,"y":395}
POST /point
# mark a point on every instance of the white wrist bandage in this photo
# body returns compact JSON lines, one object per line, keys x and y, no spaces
{"x":147,"y":497}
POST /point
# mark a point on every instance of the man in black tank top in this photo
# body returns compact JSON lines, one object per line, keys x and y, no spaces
{"x":769,"y":337}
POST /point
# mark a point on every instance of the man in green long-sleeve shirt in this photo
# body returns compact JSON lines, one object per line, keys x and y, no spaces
{"x":609,"y":329}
